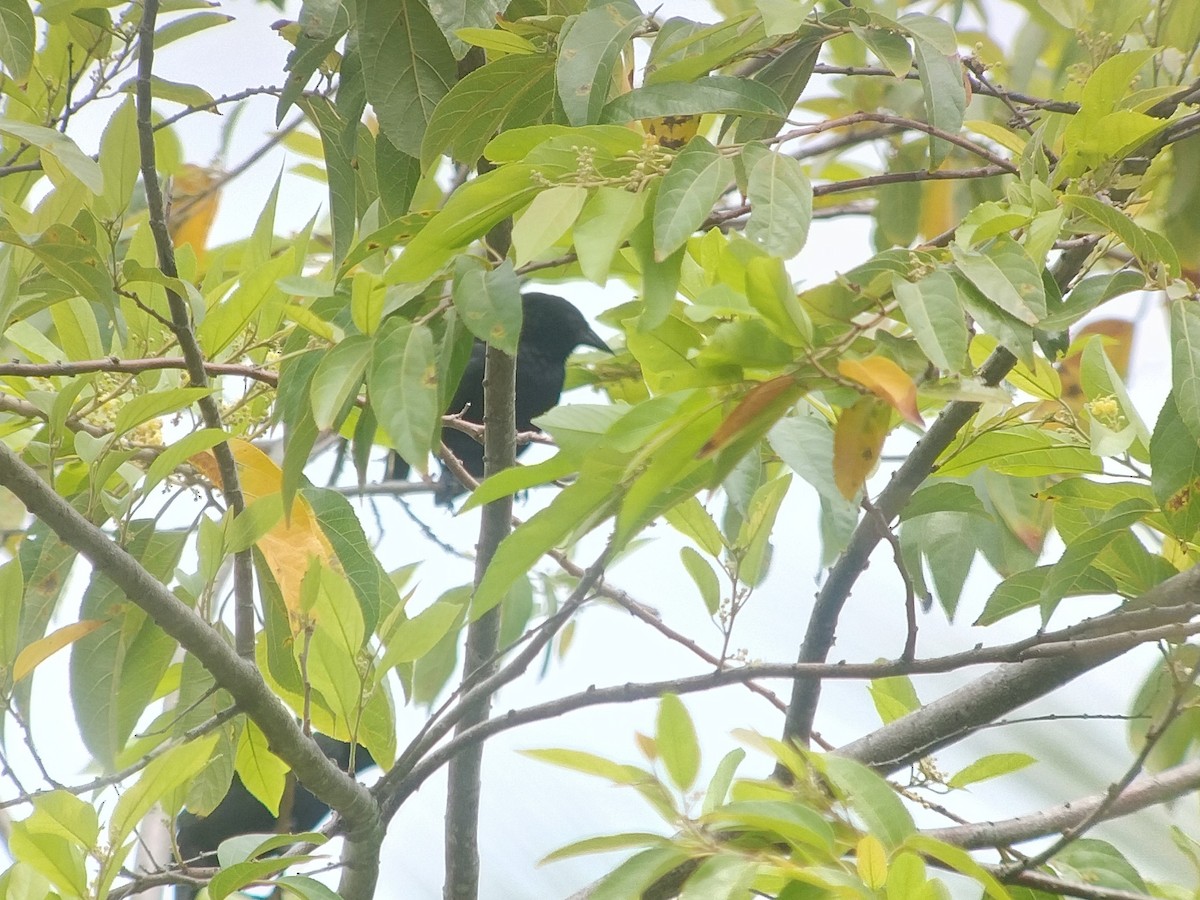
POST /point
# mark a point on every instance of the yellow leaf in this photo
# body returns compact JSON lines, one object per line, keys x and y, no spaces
{"x":885,"y":380}
{"x":293,"y":542}
{"x":41,"y":650}
{"x":857,"y":440}
{"x":937,"y":208}
{"x":871,"y":860}
{"x":193,"y":207}
{"x":672,"y":131}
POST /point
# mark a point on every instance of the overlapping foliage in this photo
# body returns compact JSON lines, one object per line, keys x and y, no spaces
{"x":1017,"y":182}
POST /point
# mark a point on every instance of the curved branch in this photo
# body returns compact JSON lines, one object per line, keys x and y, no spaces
{"x":961,"y":712}
{"x":237,"y":675}
{"x":1142,"y":793}
{"x":822,"y":623}
{"x":181,"y":318}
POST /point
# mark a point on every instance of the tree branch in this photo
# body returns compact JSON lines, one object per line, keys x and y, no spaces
{"x":243,"y":571}
{"x":234,"y":673}
{"x":822,"y":623}
{"x":1141,"y":793}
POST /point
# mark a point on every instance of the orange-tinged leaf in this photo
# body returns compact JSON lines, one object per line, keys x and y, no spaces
{"x":857,"y":440}
{"x":885,"y":380}
{"x":294,"y":540}
{"x":41,"y":650}
{"x":760,"y":400}
{"x":193,"y":207}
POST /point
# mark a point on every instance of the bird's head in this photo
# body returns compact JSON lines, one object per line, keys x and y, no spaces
{"x":556,"y":327}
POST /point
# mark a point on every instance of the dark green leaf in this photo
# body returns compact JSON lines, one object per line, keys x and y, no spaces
{"x":715,"y":94}
{"x":407,"y":65}
{"x":590,"y":49}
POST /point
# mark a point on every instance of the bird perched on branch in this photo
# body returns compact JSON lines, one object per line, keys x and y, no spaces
{"x":240,"y":812}
{"x":551,"y":329}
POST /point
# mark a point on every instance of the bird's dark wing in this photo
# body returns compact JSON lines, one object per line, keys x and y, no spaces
{"x":240,"y":812}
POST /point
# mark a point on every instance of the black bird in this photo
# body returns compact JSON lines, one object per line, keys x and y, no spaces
{"x":551,"y":329}
{"x":240,"y":812}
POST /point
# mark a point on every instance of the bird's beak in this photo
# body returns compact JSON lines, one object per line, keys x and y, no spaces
{"x":591,"y":339}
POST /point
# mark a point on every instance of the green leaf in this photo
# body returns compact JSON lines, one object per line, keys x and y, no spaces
{"x":805,"y":444}
{"x":872,"y":799}
{"x":174,"y":91}
{"x":115,"y":669}
{"x":16,"y":37}
{"x":337,"y":379}
{"x":786,"y":75}
{"x":1149,"y":248}
{"x":704,"y":577}
{"x":675,"y":737}
{"x":1015,"y":593}
{"x":943,"y":497}
{"x":377,"y":595}
{"x":51,"y":855}
{"x":889,"y":44}
{"x":697,"y":177}
{"x":714,"y":94}
{"x":545,"y":529}
{"x":1098,"y":863}
{"x":461,"y":21}
{"x":489,"y":303}
{"x":470,"y":213}
{"x":1175,"y":471}
{"x":894,"y":697}
{"x":589,"y":51}
{"x":605,"y":222}
{"x":407,"y":66}
{"x":417,"y":636}
{"x":780,"y":196}
{"x":1185,"y":363}
{"x":995,"y":284}
{"x":1025,"y":451}
{"x":476,"y":107}
{"x":1090,"y":294}
{"x":992,"y":766}
{"x":12,"y":597}
{"x":233,"y":877}
{"x":151,"y":406}
{"x":119,"y":160}
{"x":604,"y":844}
{"x":61,"y":148}
{"x":337,"y":143}
{"x":162,"y":775}
{"x":789,"y":820}
{"x":548,"y":218}
{"x":718,"y":786}
{"x":660,"y":280}
{"x":403,"y":385}
{"x":636,"y":874}
{"x":1068,"y":574}
{"x":306,"y":888}
{"x":770,"y":291}
{"x":721,"y":876}
{"x":690,"y":518}
{"x":934,"y":313}
{"x":941,"y":84}
{"x":262,"y":772}
{"x":591,"y":764}
{"x":958,"y":859}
